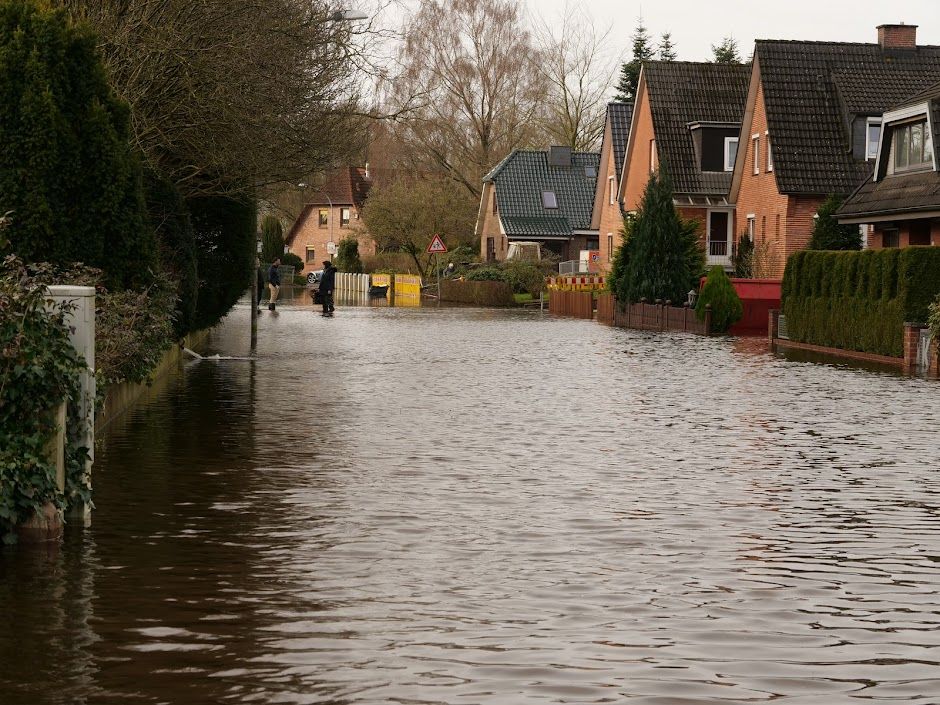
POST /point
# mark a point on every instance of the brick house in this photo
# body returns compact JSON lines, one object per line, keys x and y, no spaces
{"x":607,"y":217}
{"x":333,"y":214}
{"x":539,"y":196}
{"x":686,"y":119}
{"x":811,"y":129}
{"x":901,"y":200}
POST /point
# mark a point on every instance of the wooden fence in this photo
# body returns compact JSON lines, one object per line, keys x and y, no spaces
{"x":658,"y":316}
{"x":579,"y":304}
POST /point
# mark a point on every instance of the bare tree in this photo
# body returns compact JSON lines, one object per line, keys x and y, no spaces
{"x":473,"y":64}
{"x":233,"y":94}
{"x":578,"y":71}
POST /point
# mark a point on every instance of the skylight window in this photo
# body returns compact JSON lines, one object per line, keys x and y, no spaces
{"x":590,"y":172}
{"x":549,"y":200}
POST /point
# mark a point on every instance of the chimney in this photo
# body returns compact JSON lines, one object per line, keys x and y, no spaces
{"x":897,"y":36}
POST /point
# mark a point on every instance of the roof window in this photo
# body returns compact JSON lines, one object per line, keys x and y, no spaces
{"x":549,"y":200}
{"x":590,"y":172}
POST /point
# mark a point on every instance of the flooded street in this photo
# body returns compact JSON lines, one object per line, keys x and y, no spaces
{"x":480,"y":506}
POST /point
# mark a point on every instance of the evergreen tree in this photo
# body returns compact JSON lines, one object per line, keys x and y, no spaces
{"x":726,"y":52}
{"x":667,"y":50}
{"x":272,"y":239}
{"x":725,"y":303}
{"x":347,"y":256}
{"x":828,"y":234}
{"x":656,"y":255}
{"x":630,"y":72}
{"x":66,"y":168}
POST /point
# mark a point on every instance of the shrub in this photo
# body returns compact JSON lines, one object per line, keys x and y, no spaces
{"x":347,"y":256}
{"x":828,"y":234}
{"x":859,"y":300}
{"x":725,"y":303}
{"x":479,"y":293}
{"x":486,"y":274}
{"x":743,"y":258}
{"x":289,"y":259}
{"x":524,"y":276}
{"x":389,"y":263}
{"x":66,"y":167}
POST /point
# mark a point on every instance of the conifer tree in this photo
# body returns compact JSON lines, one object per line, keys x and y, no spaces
{"x":656,"y":258}
{"x":667,"y":50}
{"x":828,"y":234}
{"x":726,"y":52}
{"x":66,"y":168}
{"x":347,"y":256}
{"x":719,"y":294}
{"x":272,"y":239}
{"x":630,"y":72}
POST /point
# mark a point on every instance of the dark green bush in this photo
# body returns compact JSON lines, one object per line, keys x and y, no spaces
{"x":725,"y":303}
{"x":743,"y":258}
{"x":480,"y":293}
{"x":486,"y":274}
{"x":859,"y":300}
{"x":347,"y":256}
{"x":828,"y":234}
{"x":289,"y":259}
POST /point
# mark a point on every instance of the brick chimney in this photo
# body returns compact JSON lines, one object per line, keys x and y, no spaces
{"x":897,"y":36}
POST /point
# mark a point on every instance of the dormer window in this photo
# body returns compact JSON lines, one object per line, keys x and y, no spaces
{"x":872,"y":136}
{"x":912,"y":148}
{"x":731,"y":152}
{"x":549,"y":200}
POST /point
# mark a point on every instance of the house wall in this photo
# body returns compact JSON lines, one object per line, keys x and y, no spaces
{"x":636,"y":172}
{"x":311,"y":234}
{"x":610,"y":223}
{"x":782,"y":224}
{"x":876,"y":241}
{"x":490,"y":227}
{"x":701,"y":215}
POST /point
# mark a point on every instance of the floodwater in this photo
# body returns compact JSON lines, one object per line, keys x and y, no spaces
{"x":475,"y":506}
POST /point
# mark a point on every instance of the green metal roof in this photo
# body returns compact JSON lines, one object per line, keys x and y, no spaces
{"x":522,"y":177}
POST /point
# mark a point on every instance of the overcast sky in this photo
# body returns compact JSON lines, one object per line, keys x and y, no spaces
{"x":696,"y":25}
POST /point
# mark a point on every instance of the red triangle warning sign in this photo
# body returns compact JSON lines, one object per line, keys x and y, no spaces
{"x":437,"y":246}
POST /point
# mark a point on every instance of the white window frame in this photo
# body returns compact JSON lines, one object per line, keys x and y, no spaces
{"x":770,"y":156}
{"x":612,"y":187}
{"x":654,"y":162}
{"x":729,"y":162}
{"x":549,"y":200}
{"x":752,"y":226}
{"x":869,"y":123}
{"x":755,"y":145}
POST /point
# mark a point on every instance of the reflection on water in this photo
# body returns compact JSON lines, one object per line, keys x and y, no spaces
{"x":479,"y":506}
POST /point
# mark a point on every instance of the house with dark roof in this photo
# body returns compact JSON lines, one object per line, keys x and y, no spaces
{"x":539,"y":196}
{"x":686,"y":121}
{"x":607,"y":217}
{"x":901,"y":200}
{"x":332,"y":215}
{"x":812,"y":128}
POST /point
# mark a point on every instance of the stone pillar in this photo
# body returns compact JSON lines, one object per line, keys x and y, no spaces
{"x":911,"y":345}
{"x":80,"y":320}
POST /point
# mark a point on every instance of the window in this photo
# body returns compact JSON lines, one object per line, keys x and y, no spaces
{"x":912,"y":149}
{"x":755,"y":146}
{"x":590,"y":172}
{"x":919,"y":235}
{"x":770,"y":156}
{"x":495,"y":205}
{"x":612,"y":186}
{"x":490,"y":249}
{"x":324,"y":217}
{"x":610,"y":246}
{"x":718,"y":226}
{"x":890,"y":238}
{"x":343,"y":217}
{"x":872,"y":135}
{"x":311,"y":255}
{"x":549,"y":200}
{"x":653,"y":156}
{"x":751,"y":226}
{"x":731,"y":152}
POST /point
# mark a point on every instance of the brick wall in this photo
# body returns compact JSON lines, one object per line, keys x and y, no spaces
{"x":610,"y":222}
{"x":311,"y":234}
{"x":700,"y":215}
{"x":876,"y":238}
{"x":782,"y":224}
{"x":897,"y":36}
{"x":637,"y":170}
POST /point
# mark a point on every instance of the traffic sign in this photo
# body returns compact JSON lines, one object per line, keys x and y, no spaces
{"x":437,"y":246}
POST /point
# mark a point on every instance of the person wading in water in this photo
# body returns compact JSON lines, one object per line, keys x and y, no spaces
{"x":274,"y":282}
{"x":327,"y":285}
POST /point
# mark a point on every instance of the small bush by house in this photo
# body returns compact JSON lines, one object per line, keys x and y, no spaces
{"x":719,"y":294}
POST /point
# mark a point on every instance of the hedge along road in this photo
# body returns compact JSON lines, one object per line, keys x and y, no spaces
{"x":481,"y":506}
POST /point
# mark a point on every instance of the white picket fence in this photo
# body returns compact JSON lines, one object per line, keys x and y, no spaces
{"x":352,"y":282}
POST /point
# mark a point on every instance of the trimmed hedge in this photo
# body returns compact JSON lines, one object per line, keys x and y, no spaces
{"x":859,"y":300}
{"x":480,"y":293}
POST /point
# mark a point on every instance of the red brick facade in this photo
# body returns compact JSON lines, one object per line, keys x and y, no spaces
{"x":607,"y":219}
{"x":489,"y":228}
{"x":921,"y":229}
{"x":636,"y":169}
{"x":309,"y":239}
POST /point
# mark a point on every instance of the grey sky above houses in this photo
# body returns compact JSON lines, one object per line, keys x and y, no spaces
{"x":696,"y":25}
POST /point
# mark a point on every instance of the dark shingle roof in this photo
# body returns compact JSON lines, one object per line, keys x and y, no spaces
{"x":620,"y":116}
{"x":811,"y":92}
{"x":682,"y":92}
{"x":520,"y":180}
{"x":901,"y":193}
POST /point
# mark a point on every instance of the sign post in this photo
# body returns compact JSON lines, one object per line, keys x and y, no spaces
{"x":436,"y":247}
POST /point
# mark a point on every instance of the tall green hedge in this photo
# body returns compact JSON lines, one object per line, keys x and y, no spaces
{"x":859,"y":300}
{"x":67,"y":170}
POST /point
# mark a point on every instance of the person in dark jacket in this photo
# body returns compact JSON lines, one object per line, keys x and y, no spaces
{"x":327,"y":285}
{"x":274,"y":282}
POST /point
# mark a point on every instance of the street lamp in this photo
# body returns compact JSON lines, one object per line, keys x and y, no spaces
{"x":348,"y":15}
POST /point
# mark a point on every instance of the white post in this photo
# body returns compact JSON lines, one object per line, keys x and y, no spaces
{"x":80,"y":321}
